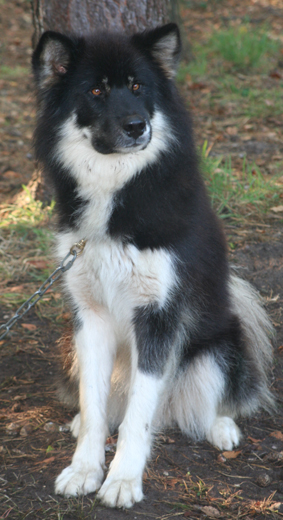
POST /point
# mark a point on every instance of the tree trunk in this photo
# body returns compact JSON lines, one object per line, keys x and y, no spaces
{"x":82,"y":16}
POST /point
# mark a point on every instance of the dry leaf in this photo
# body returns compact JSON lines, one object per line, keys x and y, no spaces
{"x":46,"y":461}
{"x":278,"y":435}
{"x":10,"y":174}
{"x":197,"y":86}
{"x":275,"y":506}
{"x":17,"y":288}
{"x":231,"y":454}
{"x":255,"y":441}
{"x":277,"y":209}
{"x":210,"y":511}
{"x":39,"y":263}
{"x":29,"y":326}
{"x":232,"y":130}
{"x":275,"y":74}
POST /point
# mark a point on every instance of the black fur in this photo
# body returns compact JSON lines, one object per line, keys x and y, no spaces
{"x":163,"y":206}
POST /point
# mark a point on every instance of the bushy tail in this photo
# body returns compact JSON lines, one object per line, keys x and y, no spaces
{"x":258,"y":330}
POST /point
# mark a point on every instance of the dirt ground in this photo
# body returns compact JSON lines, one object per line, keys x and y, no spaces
{"x":183,"y":479}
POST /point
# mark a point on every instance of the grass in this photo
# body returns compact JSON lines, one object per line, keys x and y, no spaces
{"x":237,"y":194}
{"x":241,"y":49}
{"x":25,"y":238}
{"x":251,"y":100}
{"x":244,"y":47}
{"x":29,"y":212}
{"x":10,"y":73}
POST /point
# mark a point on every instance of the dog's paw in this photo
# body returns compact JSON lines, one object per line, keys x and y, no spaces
{"x":75,"y":425}
{"x":224,"y":433}
{"x":78,"y":481}
{"x":120,"y":493}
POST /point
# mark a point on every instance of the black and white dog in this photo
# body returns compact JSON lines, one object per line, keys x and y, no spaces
{"x":164,"y":333}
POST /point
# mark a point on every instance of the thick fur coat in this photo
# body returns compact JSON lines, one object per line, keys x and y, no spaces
{"x":164,"y":334}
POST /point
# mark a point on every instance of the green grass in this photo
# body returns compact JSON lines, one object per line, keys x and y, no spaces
{"x":10,"y":73}
{"x":244,"y":47}
{"x":196,"y":69}
{"x":234,"y":197}
{"x":25,"y":234}
{"x":31,"y":212}
{"x":241,"y":49}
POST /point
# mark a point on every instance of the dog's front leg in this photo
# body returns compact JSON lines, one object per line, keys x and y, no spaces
{"x":95,"y":345}
{"x":123,"y":486}
{"x":154,"y":334}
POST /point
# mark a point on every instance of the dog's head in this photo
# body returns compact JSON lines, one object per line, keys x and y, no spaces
{"x":109,"y":84}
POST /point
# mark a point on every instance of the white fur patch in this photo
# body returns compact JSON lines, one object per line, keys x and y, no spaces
{"x":96,"y":346}
{"x":195,"y":397}
{"x":118,"y":277}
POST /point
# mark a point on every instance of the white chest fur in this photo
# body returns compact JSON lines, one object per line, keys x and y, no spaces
{"x":118,"y":277}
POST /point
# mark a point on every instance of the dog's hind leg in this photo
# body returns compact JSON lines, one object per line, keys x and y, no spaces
{"x":196,"y":400}
{"x":95,"y":345}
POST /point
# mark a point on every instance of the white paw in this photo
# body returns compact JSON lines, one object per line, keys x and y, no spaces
{"x":75,"y":425}
{"x":78,"y":481}
{"x":224,"y":433}
{"x":120,"y":493}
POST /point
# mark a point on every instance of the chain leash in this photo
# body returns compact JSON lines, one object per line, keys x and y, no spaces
{"x":64,"y":266}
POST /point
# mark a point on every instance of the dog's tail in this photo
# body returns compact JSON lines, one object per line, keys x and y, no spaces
{"x":259,"y":333}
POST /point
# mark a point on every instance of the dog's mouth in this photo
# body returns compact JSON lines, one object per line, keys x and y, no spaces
{"x":130,"y":136}
{"x":134,"y":139}
{"x":134,"y":134}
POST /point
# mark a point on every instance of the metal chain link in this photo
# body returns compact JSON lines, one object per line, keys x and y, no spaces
{"x":75,"y":251}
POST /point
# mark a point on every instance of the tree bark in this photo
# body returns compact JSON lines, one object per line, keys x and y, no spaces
{"x":83,"y":16}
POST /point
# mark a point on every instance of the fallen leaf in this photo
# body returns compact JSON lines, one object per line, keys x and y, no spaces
{"x":29,"y":326}
{"x":17,"y":288}
{"x":46,"y":461}
{"x":255,"y":441}
{"x":231,"y":454}
{"x":278,"y":435}
{"x":210,"y":511}
{"x":26,"y":430}
{"x":39,"y":263}
{"x":275,"y":506}
{"x":197,"y":86}
{"x":275,"y":74}
{"x":12,"y":429}
{"x":232,"y":130}
{"x":263,"y":480}
{"x":11,"y":175}
{"x":277,"y":209}
{"x":51,"y":427}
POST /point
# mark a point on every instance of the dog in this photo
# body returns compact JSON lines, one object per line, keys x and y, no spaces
{"x":164,"y":333}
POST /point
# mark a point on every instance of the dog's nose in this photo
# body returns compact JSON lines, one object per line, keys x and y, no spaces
{"x":134,"y":126}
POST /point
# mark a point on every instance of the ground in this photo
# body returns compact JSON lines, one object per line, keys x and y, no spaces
{"x":237,"y":113}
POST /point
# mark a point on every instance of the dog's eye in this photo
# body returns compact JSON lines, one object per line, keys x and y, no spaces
{"x":135,"y":87}
{"x":96,"y":91}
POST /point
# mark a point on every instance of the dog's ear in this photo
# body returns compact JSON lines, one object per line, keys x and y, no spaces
{"x":164,"y":45}
{"x":51,"y":58}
